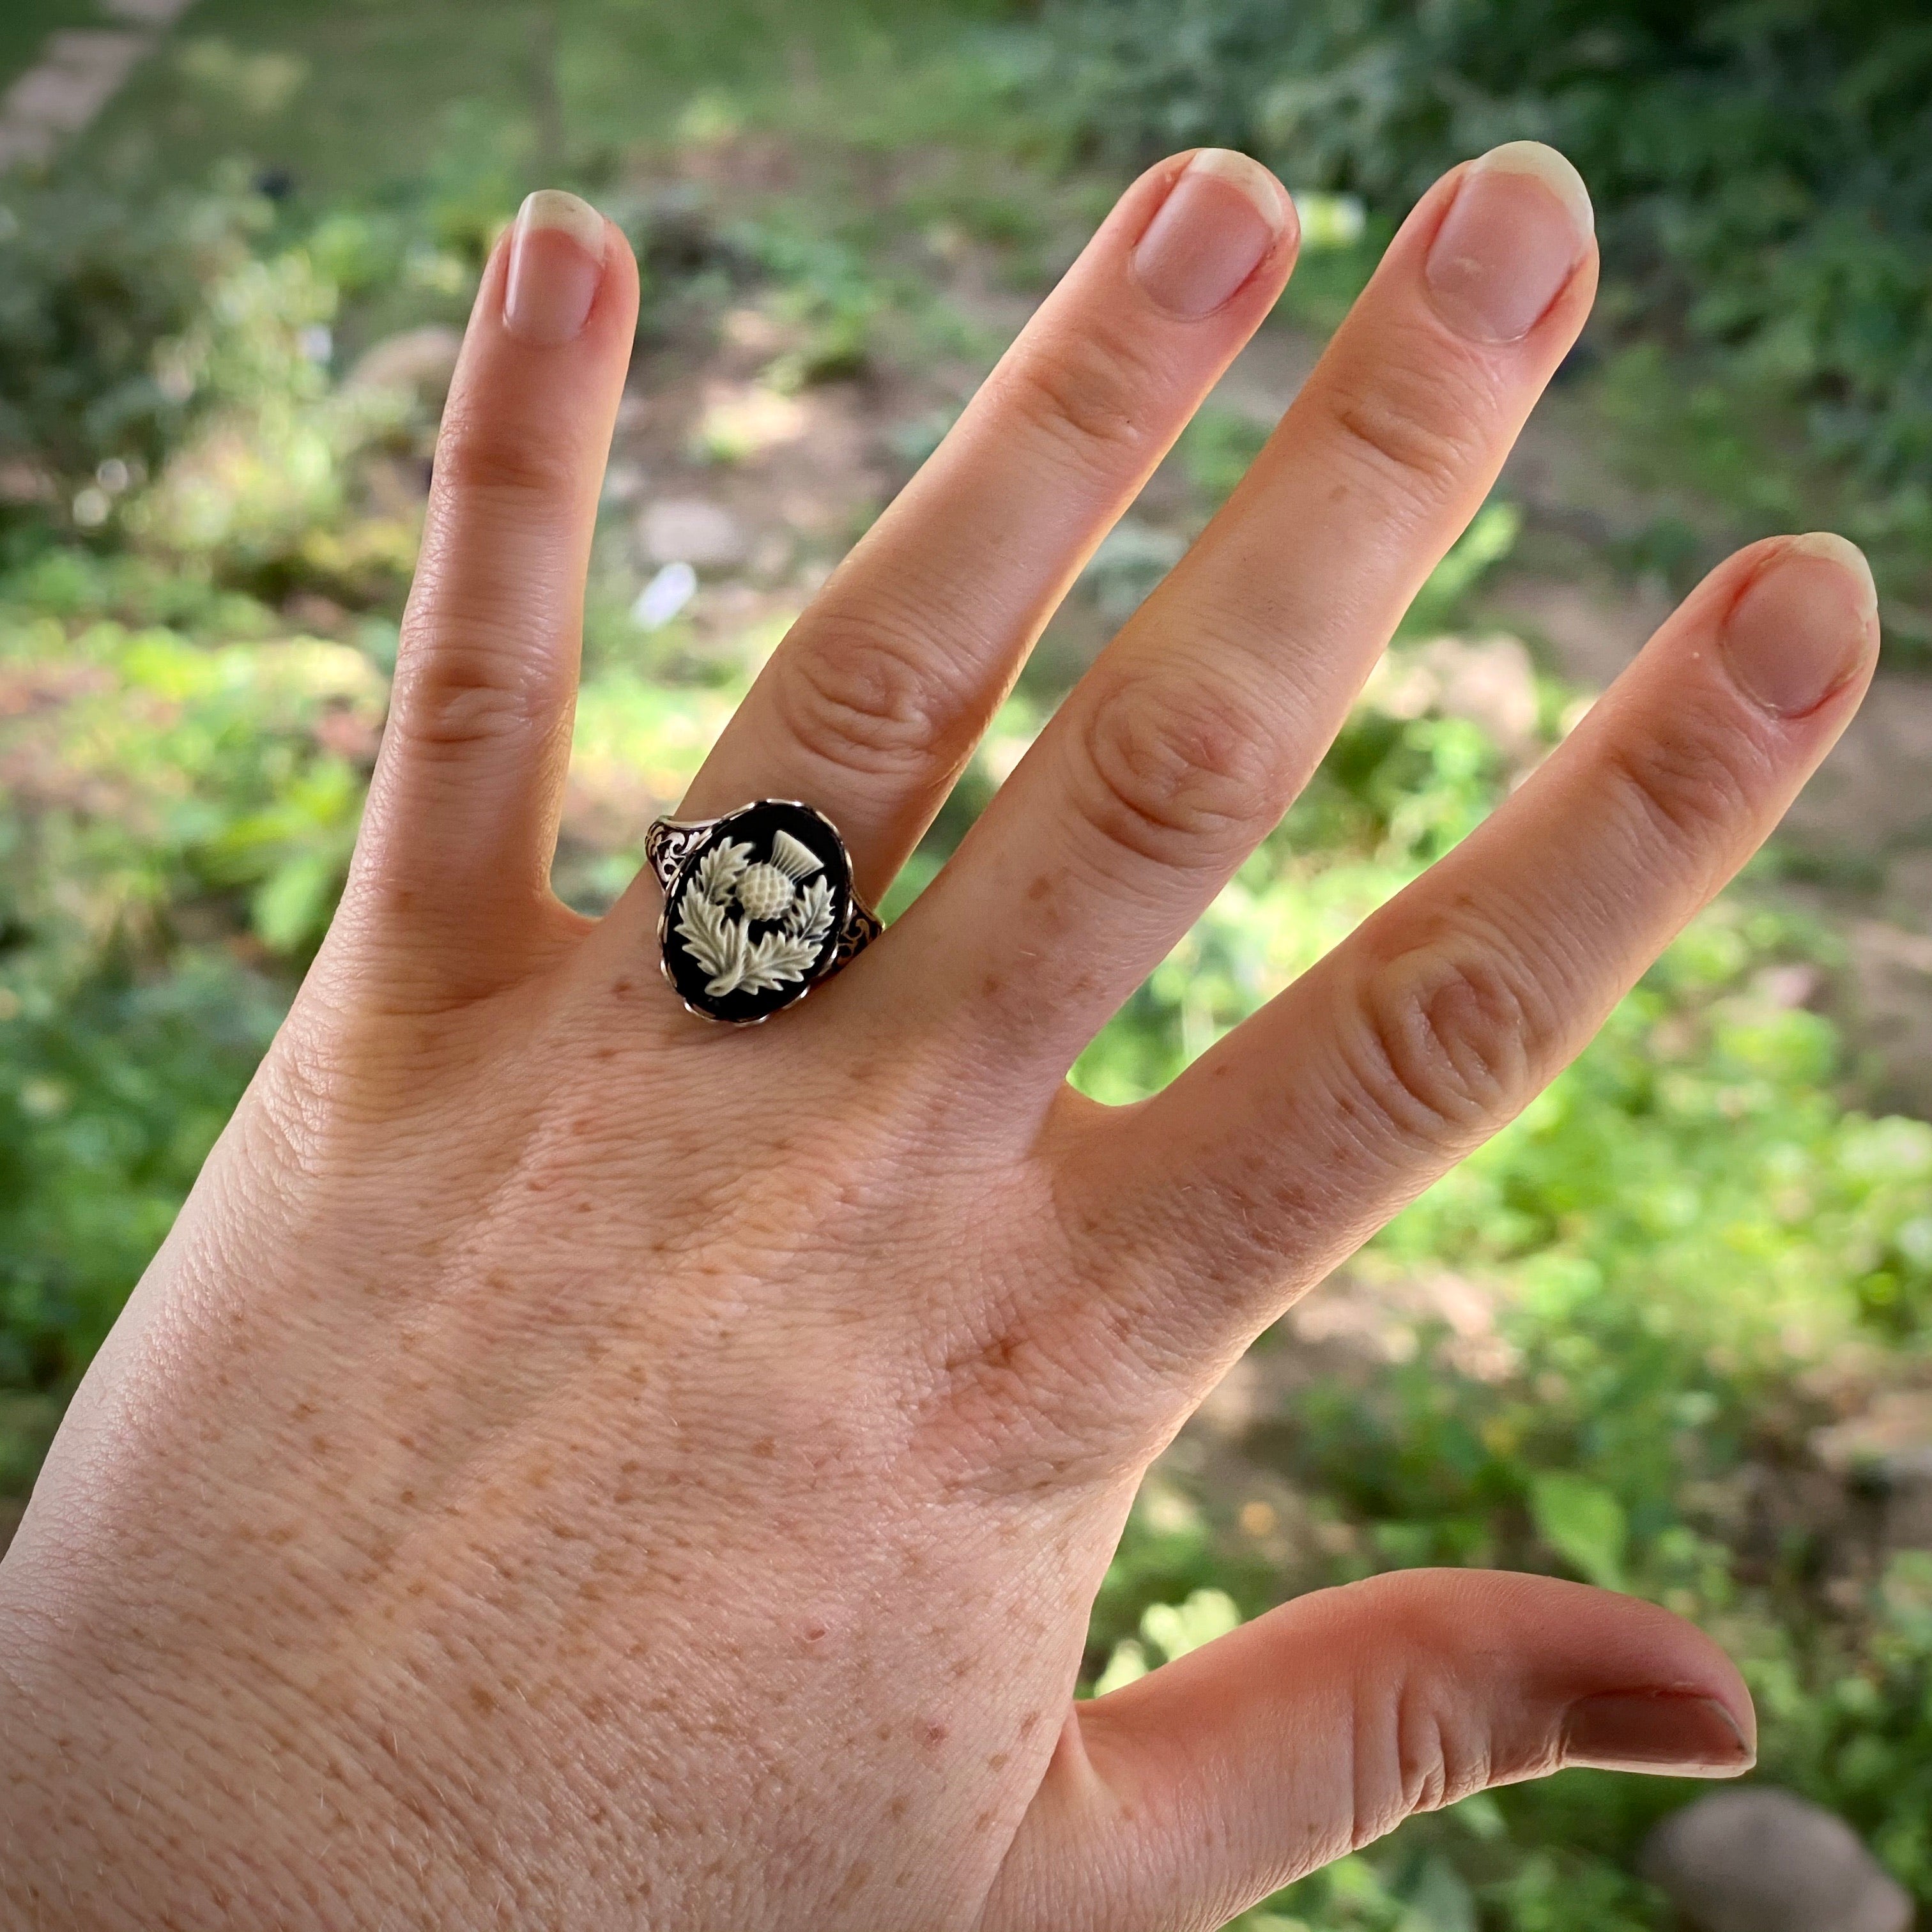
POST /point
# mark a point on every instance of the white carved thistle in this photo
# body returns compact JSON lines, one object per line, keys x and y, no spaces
{"x":728,"y":893}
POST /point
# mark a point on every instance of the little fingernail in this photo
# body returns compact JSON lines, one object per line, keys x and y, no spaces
{"x":1665,"y":1731}
{"x":1219,"y":220}
{"x":1520,"y":225}
{"x":1805,"y":624}
{"x":557,"y":262}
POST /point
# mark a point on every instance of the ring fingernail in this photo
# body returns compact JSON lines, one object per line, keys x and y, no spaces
{"x":1223,"y":215}
{"x":1514,"y":235}
{"x":557,"y":262}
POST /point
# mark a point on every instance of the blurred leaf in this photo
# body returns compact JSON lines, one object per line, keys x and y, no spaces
{"x":1439,"y":1901}
{"x":1176,"y":1629}
{"x":1584,"y":1524}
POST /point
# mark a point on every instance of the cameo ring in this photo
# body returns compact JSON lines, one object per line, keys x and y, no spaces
{"x":758,"y":907}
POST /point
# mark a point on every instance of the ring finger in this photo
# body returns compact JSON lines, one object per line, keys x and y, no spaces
{"x":872,"y":705}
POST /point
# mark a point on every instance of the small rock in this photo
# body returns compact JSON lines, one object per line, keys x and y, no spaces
{"x":1891,"y":1437}
{"x":1492,"y":683}
{"x":742,"y":420}
{"x":1761,"y":1860}
{"x":1885,"y":1450}
{"x":689,"y":529}
{"x":772,"y":555}
{"x":419,"y":362}
{"x":23,"y":482}
{"x":146,"y":13}
{"x":313,"y":614}
{"x":752,"y":331}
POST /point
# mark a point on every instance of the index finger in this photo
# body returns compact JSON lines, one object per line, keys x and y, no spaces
{"x":463,"y":810}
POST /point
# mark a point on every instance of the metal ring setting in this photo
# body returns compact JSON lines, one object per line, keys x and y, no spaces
{"x":758,"y":907}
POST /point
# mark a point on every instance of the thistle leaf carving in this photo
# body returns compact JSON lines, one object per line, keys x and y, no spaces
{"x":775,"y":959}
{"x":809,"y":916}
{"x":716,"y":940}
{"x":721,"y":868}
{"x":722,"y":946}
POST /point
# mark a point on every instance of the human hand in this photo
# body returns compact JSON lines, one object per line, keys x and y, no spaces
{"x":574,"y":1465}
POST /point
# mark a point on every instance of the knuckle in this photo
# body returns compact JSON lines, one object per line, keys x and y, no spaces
{"x":479,"y":456}
{"x":1688,"y":790}
{"x":1420,"y":1750}
{"x":1442,"y":1749}
{"x":1089,"y":393}
{"x":1020,"y":1408}
{"x":457,"y":698}
{"x":1451,"y":1038}
{"x":1401,"y":425}
{"x":870,"y":699}
{"x":1425,"y":1734}
{"x":1176,"y":772}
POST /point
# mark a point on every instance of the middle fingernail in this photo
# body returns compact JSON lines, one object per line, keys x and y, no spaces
{"x":1223,"y":215}
{"x":1520,"y":224}
{"x":557,"y":263}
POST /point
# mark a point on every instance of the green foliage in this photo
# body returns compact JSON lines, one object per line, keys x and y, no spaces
{"x":1169,"y":1630}
{"x":1583,"y":1523}
{"x":1760,"y":170}
{"x":1489,"y":539}
{"x":114,"y":1090}
{"x":178,"y":826}
{"x":165,"y":390}
{"x":94,"y":288}
{"x":826,"y":289}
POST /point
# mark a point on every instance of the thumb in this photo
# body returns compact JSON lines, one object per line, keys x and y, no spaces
{"x":1184,"y":1798}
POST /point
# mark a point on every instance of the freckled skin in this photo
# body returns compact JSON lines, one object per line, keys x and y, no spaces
{"x":571,"y":1465}
{"x":552,"y":1469}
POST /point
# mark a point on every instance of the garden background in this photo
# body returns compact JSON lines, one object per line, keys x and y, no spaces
{"x":1669,"y":1333}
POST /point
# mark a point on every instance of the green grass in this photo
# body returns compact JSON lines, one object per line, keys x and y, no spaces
{"x":25,"y":26}
{"x":364,"y":101}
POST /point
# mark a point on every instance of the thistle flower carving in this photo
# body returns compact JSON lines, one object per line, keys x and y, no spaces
{"x":729,"y":892}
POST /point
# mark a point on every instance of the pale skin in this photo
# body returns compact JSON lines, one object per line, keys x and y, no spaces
{"x":573,"y":1465}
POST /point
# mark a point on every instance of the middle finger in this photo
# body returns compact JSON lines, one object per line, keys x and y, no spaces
{"x":1184,"y":744}
{"x":873,"y":704}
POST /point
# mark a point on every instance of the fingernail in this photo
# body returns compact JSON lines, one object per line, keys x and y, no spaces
{"x":1520,"y":224}
{"x":1805,"y":624}
{"x":1657,"y":1731}
{"x":1221,"y":218}
{"x":556,"y":261}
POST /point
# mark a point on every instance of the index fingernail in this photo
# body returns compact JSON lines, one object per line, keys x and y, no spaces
{"x":557,"y":262}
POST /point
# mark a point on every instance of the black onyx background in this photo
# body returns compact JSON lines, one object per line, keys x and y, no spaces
{"x":754,"y":825}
